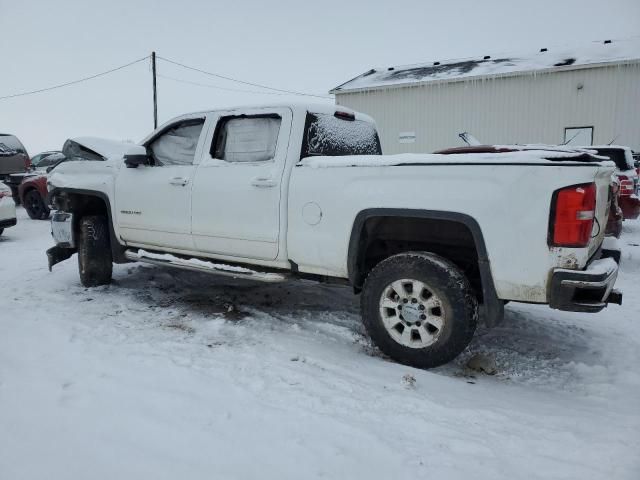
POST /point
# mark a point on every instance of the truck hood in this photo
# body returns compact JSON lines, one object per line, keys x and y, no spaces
{"x":95,"y":148}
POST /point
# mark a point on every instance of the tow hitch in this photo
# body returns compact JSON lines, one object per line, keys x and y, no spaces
{"x":615,"y":297}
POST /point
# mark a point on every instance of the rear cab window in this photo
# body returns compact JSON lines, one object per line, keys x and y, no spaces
{"x":618,"y":156}
{"x":338,"y":135}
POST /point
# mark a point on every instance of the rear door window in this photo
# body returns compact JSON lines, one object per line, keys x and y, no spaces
{"x":247,"y":139}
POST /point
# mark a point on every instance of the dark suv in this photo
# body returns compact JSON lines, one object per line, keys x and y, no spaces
{"x":13,"y":159}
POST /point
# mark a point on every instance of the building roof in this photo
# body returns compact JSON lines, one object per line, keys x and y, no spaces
{"x":544,"y":59}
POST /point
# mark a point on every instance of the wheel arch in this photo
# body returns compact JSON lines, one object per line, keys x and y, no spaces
{"x":82,"y":202}
{"x":491,"y":307}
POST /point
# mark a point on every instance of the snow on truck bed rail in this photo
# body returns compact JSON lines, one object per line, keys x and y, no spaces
{"x":526,"y":157}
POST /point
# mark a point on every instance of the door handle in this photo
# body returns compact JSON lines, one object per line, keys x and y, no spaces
{"x":263,"y":182}
{"x":180,"y":181}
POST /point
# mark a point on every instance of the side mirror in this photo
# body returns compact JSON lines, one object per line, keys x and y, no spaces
{"x":135,"y":156}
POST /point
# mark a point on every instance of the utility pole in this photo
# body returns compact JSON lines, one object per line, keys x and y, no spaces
{"x":155,"y":91}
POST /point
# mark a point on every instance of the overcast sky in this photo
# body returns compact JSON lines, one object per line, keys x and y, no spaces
{"x":297,"y":45}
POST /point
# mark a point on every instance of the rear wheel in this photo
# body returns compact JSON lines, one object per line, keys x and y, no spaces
{"x":35,"y":206}
{"x":94,"y":251}
{"x":419,"y":309}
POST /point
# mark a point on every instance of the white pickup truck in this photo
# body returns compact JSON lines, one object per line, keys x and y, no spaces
{"x":432,"y":242}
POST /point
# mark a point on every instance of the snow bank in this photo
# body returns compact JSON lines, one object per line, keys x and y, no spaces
{"x":156,"y":376}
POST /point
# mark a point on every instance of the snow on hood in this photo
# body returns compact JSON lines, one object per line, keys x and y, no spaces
{"x":103,"y":146}
{"x":542,"y":59}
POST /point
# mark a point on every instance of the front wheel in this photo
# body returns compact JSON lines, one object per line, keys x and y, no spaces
{"x":419,"y":309}
{"x":94,"y":251}
{"x":35,"y":206}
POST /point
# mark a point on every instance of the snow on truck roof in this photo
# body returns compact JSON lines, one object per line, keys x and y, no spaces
{"x":327,"y":108}
{"x":544,"y":59}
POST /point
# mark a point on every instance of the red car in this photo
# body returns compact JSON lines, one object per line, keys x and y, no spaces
{"x":627,"y":175}
{"x":32,"y":190}
{"x":33,"y":195}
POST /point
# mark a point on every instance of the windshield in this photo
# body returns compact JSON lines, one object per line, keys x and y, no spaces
{"x":10,"y":145}
{"x":45,"y":160}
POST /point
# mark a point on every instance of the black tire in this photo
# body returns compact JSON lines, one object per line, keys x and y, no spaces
{"x":457,"y":307}
{"x":35,"y":206}
{"x":94,"y":251}
{"x":1,"y":231}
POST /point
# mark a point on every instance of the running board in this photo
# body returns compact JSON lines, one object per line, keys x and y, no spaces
{"x":204,"y":266}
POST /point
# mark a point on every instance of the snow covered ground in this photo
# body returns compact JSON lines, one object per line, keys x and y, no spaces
{"x":168,"y":374}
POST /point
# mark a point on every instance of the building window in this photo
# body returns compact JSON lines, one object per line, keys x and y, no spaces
{"x":578,"y":136}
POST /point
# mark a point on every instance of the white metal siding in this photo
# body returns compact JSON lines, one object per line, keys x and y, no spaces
{"x":518,"y":109}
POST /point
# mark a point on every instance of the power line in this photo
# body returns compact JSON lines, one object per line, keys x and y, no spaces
{"x":21,"y":94}
{"x":241,"y":81}
{"x":207,"y":85}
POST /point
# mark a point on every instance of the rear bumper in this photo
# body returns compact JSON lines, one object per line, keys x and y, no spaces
{"x":588,"y":290}
{"x":630,"y":205}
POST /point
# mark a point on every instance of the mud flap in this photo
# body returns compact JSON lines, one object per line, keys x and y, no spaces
{"x":58,"y":254}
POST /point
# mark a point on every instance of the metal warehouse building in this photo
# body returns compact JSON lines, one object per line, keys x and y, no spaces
{"x":582,"y":96}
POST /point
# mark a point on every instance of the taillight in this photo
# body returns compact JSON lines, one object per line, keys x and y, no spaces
{"x":27,"y":163}
{"x":626,"y":185}
{"x":572,"y":215}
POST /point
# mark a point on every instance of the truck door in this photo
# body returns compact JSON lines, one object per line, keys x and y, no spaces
{"x":153,"y":202}
{"x":238,"y":186}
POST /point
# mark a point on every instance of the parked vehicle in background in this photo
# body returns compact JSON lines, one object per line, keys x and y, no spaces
{"x":7,"y":208}
{"x":614,"y":222}
{"x":33,"y":189}
{"x":45,"y":159}
{"x":13,"y":159}
{"x":433,"y":242}
{"x":627,"y":175}
{"x":40,"y":165}
{"x":33,"y":196}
